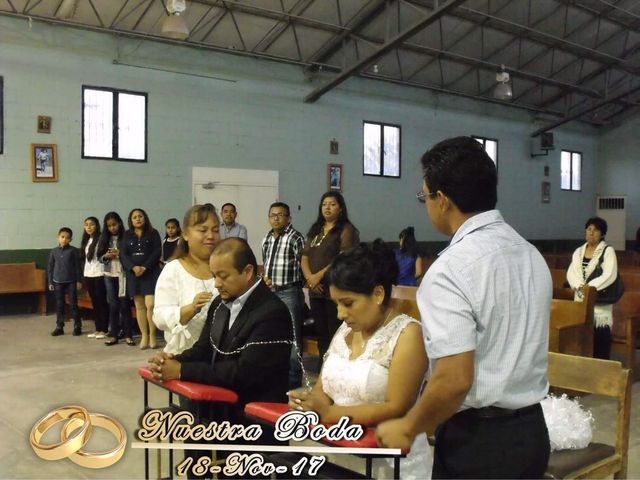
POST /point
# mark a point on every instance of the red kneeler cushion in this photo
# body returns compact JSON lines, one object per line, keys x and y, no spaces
{"x":271,"y":412}
{"x":193,"y":391}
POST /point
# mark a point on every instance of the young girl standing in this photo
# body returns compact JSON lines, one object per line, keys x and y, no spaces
{"x":114,"y":280}
{"x":140,"y":256}
{"x":94,"y":276}
{"x":171,"y":237}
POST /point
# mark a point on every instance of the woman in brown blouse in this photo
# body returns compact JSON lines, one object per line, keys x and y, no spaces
{"x":331,"y":234}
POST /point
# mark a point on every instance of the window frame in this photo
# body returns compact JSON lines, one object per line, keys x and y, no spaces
{"x":114,"y":124}
{"x":382,"y":125}
{"x":484,"y":146}
{"x":571,"y":153}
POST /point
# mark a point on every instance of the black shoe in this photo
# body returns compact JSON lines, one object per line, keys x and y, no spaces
{"x":111,"y":341}
{"x":77,"y":331}
{"x":57,"y":332}
{"x":120,"y":334}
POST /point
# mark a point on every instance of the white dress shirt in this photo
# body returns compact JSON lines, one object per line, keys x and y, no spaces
{"x":236,"y":305}
{"x":92,"y":268}
{"x":176,"y":288}
{"x":490,"y":292}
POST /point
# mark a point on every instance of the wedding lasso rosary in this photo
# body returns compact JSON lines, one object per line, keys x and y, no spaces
{"x":263,"y":342}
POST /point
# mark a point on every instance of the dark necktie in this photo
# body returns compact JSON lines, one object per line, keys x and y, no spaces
{"x":219,"y":329}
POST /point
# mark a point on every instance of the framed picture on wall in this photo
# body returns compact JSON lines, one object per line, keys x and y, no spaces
{"x":44,"y":162}
{"x":334,"y":177}
{"x":44,"y":124}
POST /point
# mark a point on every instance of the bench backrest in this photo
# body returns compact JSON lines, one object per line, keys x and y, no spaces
{"x":403,"y":300}
{"x":571,"y":325}
{"x":21,"y":277}
{"x":600,"y":377}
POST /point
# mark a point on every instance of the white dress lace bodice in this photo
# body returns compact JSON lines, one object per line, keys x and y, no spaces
{"x":364,"y":380}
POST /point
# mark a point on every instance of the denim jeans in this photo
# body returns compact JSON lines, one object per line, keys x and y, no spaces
{"x":119,"y":309}
{"x":293,"y":298}
{"x":59,"y":290}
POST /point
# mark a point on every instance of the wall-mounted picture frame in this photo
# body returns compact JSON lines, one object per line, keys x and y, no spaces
{"x":44,"y":124}
{"x":334,"y":177}
{"x":546,"y":192}
{"x":44,"y":162}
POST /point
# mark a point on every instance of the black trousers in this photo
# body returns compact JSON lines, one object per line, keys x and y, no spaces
{"x":325,"y":317}
{"x":515,"y":446}
{"x":602,"y":342}
{"x":60,"y":289}
{"x":98,"y":294}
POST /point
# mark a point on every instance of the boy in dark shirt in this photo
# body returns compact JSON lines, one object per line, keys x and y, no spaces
{"x":64,"y":275}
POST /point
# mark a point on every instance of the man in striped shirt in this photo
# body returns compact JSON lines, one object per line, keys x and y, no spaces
{"x":485,"y":305}
{"x":281,"y":252}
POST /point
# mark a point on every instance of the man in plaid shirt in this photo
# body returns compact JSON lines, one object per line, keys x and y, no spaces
{"x":281,"y":252}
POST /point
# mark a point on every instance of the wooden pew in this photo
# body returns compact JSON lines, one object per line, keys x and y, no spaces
{"x":403,"y":300}
{"x":24,"y":278}
{"x":571,"y":325}
{"x":626,"y":326}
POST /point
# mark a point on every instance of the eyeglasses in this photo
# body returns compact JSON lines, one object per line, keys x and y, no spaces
{"x":421,"y":196}
{"x":278,"y":215}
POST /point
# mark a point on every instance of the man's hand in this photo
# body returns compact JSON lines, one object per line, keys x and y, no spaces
{"x":164,"y":367}
{"x":395,"y":433}
{"x":138,"y":270}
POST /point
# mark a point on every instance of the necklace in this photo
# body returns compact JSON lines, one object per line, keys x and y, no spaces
{"x":315,"y":242}
{"x":384,"y":322}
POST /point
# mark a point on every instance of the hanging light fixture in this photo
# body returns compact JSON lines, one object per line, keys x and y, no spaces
{"x":502,"y":90}
{"x":175,"y":25}
{"x":66,"y":9}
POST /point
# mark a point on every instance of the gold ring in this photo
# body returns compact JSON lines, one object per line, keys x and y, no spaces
{"x":68,"y":445}
{"x":97,"y":459}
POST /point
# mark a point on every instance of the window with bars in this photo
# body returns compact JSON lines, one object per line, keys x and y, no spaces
{"x":381,"y":149}
{"x":490,"y":146}
{"x":114,"y":124}
{"x":571,"y":170}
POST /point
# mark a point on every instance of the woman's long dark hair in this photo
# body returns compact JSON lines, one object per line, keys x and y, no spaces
{"x":342,"y":220}
{"x":362,"y":268}
{"x":146,"y":228}
{"x":103,"y":243}
{"x":85,"y":239}
{"x":409,"y":244}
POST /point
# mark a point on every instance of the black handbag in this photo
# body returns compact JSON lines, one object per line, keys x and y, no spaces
{"x":613,"y":292}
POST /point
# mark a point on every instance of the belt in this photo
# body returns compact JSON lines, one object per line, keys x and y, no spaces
{"x":279,"y":288}
{"x":497,"y":412}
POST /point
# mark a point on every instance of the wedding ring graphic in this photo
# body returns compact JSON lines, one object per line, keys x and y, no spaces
{"x":66,"y":447}
{"x":97,"y":459}
{"x":74,"y":436}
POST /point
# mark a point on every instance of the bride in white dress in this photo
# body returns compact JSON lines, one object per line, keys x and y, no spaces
{"x":376,"y":363}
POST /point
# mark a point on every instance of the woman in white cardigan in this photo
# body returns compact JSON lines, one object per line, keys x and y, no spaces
{"x":185,"y":287}
{"x":581,"y":272}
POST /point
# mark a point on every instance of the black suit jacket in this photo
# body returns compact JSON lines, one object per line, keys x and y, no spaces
{"x":258,"y":373}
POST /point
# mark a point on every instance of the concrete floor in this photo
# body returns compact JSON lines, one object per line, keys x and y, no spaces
{"x":41,"y":373}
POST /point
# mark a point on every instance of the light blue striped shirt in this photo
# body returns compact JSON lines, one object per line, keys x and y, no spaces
{"x":490,"y":292}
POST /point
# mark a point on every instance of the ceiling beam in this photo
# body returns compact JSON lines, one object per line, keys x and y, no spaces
{"x":593,"y":108}
{"x":382,"y":50}
{"x":514,"y":28}
{"x":357,"y":23}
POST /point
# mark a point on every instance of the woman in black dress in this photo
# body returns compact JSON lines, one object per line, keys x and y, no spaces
{"x":140,"y":258}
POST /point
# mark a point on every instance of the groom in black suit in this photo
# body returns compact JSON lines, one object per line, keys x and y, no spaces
{"x":246,"y":341}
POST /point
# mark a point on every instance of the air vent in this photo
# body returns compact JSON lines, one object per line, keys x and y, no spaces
{"x":611,"y":203}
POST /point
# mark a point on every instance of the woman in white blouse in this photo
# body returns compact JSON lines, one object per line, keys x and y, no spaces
{"x":185,"y":288}
{"x":582,"y":271}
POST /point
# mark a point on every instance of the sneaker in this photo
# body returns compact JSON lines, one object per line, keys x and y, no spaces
{"x":58,"y":331}
{"x":100,"y":336}
{"x":77,"y":331}
{"x":92,"y":335}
